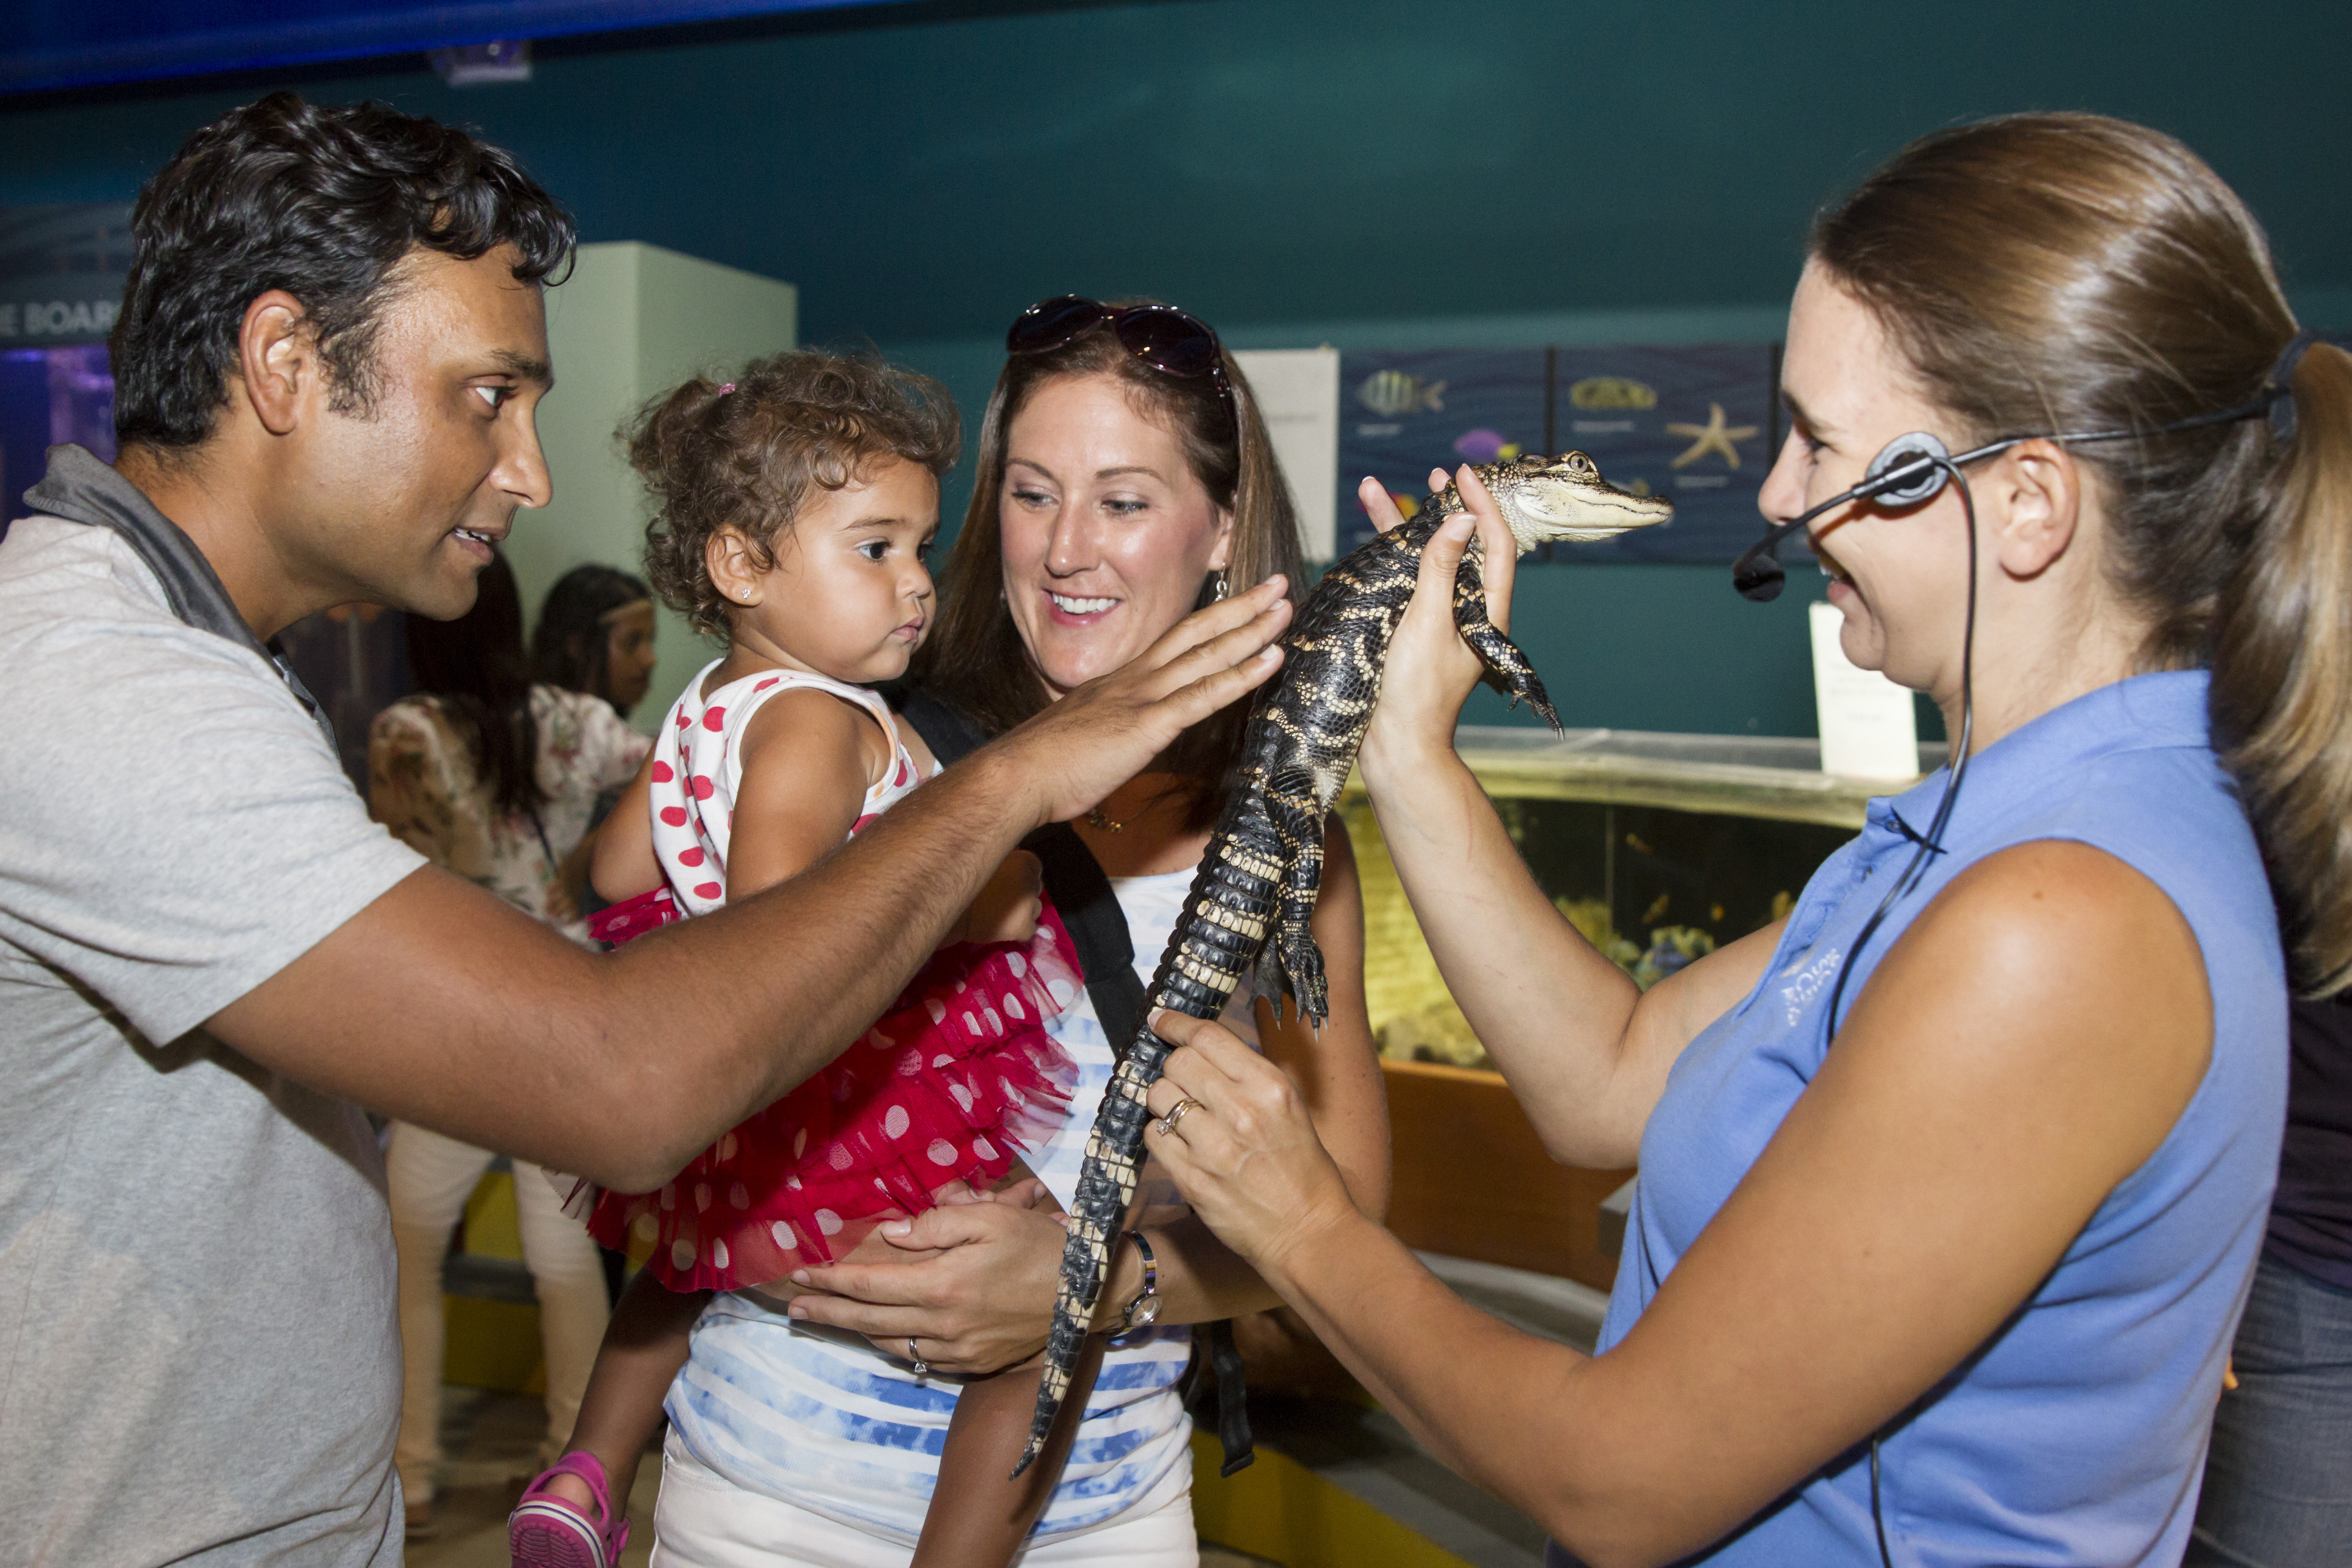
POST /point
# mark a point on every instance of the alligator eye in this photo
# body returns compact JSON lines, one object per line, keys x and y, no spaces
{"x":1578,"y":463}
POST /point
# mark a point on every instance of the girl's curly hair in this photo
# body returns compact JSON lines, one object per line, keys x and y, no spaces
{"x":742,"y":454}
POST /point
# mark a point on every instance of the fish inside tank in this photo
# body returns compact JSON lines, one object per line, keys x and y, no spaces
{"x":1651,"y":886}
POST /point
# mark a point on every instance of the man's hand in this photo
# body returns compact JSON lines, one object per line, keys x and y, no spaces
{"x":1108,"y":730}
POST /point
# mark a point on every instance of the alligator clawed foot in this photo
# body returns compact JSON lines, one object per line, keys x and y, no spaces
{"x":1302,"y":967}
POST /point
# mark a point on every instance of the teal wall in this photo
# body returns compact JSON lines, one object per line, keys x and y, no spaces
{"x":1368,"y":173}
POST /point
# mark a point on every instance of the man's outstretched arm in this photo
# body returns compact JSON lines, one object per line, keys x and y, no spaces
{"x":441,"y":1005}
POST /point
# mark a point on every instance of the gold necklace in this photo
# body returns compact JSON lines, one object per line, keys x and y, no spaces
{"x":1102,"y":822}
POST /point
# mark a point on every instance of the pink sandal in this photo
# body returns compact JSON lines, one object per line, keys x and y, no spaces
{"x":545,"y":1532}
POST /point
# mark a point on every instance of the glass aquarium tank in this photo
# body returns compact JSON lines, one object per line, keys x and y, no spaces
{"x":1659,"y":849}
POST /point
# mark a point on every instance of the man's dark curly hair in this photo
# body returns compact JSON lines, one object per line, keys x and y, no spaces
{"x":323,"y":203}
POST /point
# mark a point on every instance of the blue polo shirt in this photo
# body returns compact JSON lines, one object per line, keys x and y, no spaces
{"x":2076,"y":1434}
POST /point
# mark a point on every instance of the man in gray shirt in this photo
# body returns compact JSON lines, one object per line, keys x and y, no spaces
{"x":330,"y":352}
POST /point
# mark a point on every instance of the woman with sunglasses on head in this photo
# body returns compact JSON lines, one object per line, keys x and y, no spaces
{"x":1953,"y":1181}
{"x":1124,"y":478}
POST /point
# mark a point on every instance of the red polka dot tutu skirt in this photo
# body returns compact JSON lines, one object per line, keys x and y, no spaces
{"x":954,"y":1083}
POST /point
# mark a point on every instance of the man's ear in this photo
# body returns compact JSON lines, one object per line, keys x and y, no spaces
{"x":2041,"y":495}
{"x":277,"y":360}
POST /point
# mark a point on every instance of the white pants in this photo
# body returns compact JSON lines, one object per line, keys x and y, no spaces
{"x":704,"y":1520}
{"x":431,"y":1177}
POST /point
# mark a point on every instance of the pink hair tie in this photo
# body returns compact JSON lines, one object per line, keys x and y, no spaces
{"x":725,"y":389}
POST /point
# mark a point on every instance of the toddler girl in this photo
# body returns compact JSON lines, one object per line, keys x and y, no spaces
{"x":797,"y":503}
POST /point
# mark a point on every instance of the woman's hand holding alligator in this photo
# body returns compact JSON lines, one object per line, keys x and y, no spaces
{"x":1431,"y":671}
{"x":1244,"y":1151}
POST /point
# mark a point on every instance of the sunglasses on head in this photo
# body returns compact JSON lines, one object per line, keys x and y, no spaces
{"x":1169,"y":341}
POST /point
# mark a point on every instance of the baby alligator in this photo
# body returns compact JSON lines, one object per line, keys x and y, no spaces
{"x":1264,"y":866}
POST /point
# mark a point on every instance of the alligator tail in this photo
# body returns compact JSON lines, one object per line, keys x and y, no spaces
{"x":1226,"y":918}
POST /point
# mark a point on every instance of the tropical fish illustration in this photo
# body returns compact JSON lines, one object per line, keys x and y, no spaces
{"x":1389,"y":393}
{"x":1484,"y":446}
{"x":1612,"y":392}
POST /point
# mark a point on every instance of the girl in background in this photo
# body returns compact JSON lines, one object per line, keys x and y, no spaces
{"x":595,"y":633}
{"x":496,"y":779}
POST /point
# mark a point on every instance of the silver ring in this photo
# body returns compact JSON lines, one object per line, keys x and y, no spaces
{"x":922,"y":1367}
{"x":1176,"y":1114}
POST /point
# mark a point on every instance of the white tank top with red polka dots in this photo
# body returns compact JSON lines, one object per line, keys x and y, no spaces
{"x":699,"y":767}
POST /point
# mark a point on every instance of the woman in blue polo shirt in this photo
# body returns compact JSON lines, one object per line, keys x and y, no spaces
{"x":1952,"y":1181}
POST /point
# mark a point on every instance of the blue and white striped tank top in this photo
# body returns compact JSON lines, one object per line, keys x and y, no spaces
{"x":823,"y":1420}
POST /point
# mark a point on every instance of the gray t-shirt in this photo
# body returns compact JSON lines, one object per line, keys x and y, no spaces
{"x":198,"y":1357}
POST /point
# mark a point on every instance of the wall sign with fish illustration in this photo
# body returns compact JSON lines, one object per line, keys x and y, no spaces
{"x":1695,"y":423}
{"x":1402,"y":413}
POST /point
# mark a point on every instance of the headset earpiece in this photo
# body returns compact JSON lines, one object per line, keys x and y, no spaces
{"x":1907,"y":471}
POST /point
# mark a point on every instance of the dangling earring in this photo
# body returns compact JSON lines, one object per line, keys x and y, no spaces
{"x":1223,"y":588}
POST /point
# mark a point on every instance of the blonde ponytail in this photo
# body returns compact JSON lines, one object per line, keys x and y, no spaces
{"x":2283,"y":674}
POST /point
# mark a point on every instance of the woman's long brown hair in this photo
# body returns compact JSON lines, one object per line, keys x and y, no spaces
{"x":975,"y":657}
{"x":477,"y":668}
{"x":2056,"y":272}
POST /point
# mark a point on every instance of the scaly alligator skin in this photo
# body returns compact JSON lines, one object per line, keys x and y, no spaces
{"x":1264,"y":867}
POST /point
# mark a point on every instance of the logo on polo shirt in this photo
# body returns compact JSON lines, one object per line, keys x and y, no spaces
{"x":1806,"y":983}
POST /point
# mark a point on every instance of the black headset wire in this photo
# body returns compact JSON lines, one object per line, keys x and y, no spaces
{"x":1931,"y":845}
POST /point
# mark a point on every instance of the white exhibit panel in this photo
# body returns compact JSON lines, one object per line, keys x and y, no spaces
{"x":1869,"y":726}
{"x":1298,"y":396}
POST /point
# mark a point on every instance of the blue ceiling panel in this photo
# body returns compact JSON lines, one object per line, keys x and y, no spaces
{"x":48,"y":44}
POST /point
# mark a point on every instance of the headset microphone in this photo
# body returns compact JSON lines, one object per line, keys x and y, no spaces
{"x":1907,"y":471}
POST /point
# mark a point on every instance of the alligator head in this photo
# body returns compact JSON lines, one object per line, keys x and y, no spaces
{"x":1551,"y":500}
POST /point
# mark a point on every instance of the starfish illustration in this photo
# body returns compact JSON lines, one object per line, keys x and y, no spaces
{"x":1711,"y":437}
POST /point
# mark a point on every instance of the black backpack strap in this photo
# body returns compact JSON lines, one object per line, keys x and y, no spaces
{"x":1217,"y":1365}
{"x":1098,"y":927}
{"x":1082,"y":893}
{"x":947,"y":732}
